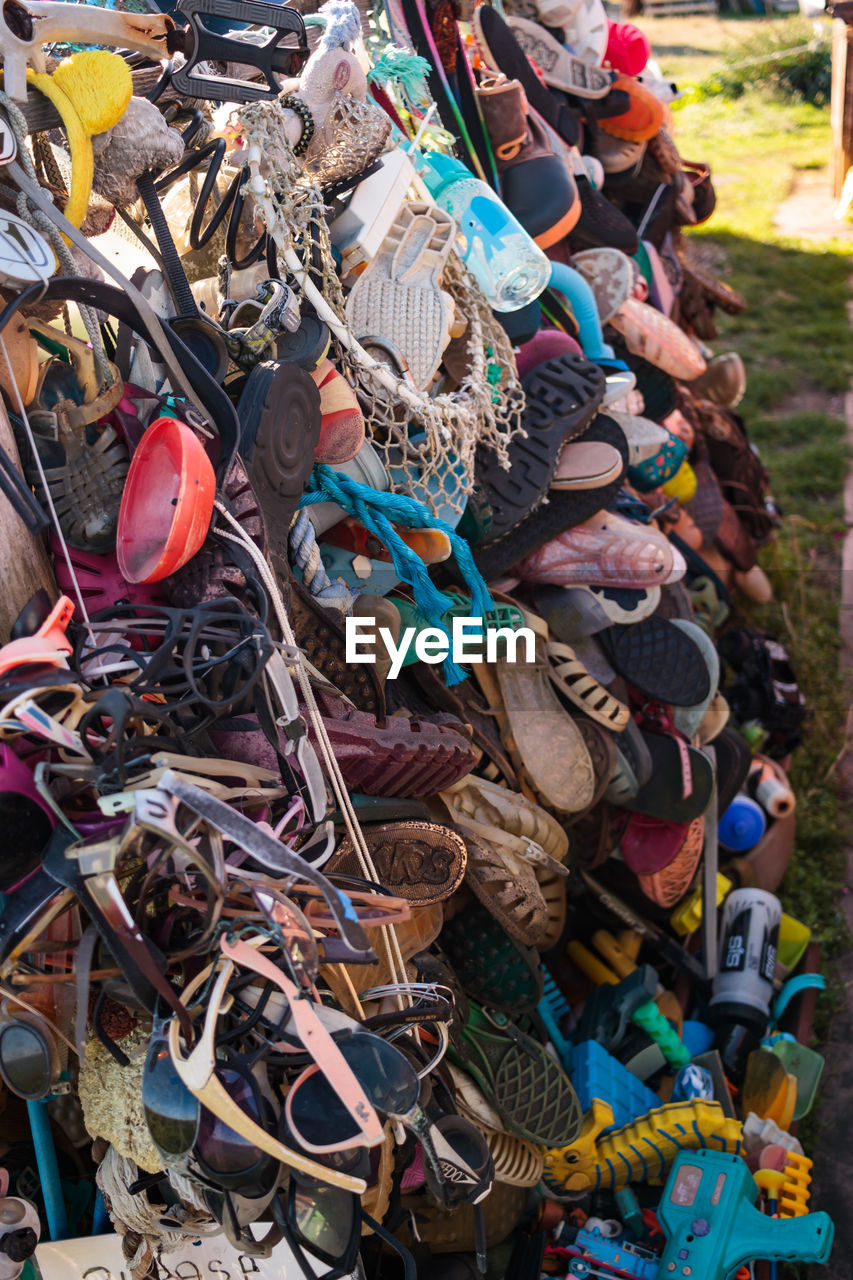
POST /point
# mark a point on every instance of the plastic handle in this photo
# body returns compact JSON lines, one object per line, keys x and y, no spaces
{"x":582,"y":302}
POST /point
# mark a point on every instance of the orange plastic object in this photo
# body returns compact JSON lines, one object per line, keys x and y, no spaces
{"x":644,"y":117}
{"x":47,"y":647}
{"x":167,"y":504}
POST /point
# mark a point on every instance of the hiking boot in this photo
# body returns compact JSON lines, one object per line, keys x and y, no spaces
{"x":537,"y":186}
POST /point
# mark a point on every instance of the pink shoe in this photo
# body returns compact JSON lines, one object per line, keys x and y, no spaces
{"x":605,"y":551}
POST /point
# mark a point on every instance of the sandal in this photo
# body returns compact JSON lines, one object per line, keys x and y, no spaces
{"x":543,"y":741}
{"x":418,"y":861}
{"x":321,"y":637}
{"x":501,"y":875}
{"x":659,"y":660}
{"x":398,"y":295}
{"x":466,"y":703}
{"x":669,"y":885}
{"x":532,"y":1095}
{"x":575,"y":683}
{"x":518,"y":1163}
{"x":493,"y":968}
{"x":561,"y":397}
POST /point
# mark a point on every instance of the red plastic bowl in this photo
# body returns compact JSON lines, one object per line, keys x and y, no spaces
{"x":167,"y":504}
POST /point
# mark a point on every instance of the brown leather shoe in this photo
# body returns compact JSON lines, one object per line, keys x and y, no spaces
{"x":537,"y":185}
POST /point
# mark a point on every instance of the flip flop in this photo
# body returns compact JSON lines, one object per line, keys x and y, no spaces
{"x":669,"y":885}
{"x":532,"y":1095}
{"x":564,"y":510}
{"x":681,"y":783}
{"x":561,"y":69}
{"x":280,"y":423}
{"x":586,"y":464}
{"x":688,"y":719}
{"x":419,"y":861}
{"x":561,"y":397}
{"x":633,"y":766}
{"x":610,"y":275}
{"x":659,"y":660}
{"x":649,"y":844}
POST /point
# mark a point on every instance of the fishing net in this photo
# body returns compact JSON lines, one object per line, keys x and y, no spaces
{"x":428,"y":441}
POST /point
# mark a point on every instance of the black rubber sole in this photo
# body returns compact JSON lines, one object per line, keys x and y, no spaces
{"x":561,"y":398}
{"x":659,"y":660}
{"x":280,"y":419}
{"x":564,"y":509}
{"x":663,"y":795}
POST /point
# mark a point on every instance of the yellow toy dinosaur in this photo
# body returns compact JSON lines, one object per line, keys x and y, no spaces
{"x":641,"y":1151}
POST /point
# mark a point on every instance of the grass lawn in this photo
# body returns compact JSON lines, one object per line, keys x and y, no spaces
{"x":795,"y":341}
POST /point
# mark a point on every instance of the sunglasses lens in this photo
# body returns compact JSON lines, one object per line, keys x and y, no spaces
{"x":388,"y":1079}
{"x":224,"y":1152}
{"x":170,"y":1109}
{"x":324,"y":1219}
{"x":25,"y":1060}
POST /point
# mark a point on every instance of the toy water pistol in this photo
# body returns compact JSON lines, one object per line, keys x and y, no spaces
{"x":707,"y":1213}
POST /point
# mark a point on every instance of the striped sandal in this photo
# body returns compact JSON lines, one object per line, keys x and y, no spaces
{"x":571,"y":678}
{"x":518,"y":1162}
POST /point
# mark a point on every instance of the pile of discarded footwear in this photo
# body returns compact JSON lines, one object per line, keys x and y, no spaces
{"x":394,"y":809}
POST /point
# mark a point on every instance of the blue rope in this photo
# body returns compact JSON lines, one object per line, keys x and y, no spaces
{"x":376,"y":510}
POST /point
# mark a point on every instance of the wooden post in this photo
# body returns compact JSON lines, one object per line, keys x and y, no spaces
{"x":24,"y":563}
{"x":842,"y":94}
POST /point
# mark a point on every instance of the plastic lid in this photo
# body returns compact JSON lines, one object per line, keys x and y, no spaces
{"x":742,"y":825}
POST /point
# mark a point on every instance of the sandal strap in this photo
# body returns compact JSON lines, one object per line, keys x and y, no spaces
{"x":566,"y":668}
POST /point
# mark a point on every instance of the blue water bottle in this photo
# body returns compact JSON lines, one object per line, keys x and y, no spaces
{"x":507,"y":264}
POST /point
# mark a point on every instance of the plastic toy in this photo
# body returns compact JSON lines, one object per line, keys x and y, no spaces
{"x":594,"y":1250}
{"x":19,"y":1234}
{"x":597,"y":1074}
{"x":641,"y":1151}
{"x":708,"y":1215}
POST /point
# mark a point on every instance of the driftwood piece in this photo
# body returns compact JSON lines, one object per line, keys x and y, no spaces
{"x":24,"y":563}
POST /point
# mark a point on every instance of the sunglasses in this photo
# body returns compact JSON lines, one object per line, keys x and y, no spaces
{"x":198,"y":1071}
{"x":277,"y":857}
{"x":326,"y":1223}
{"x":457,"y":1163}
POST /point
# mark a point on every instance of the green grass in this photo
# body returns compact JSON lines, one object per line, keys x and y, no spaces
{"x":795,"y":341}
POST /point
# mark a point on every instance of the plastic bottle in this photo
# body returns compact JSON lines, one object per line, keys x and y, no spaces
{"x":742,"y":825}
{"x":508,"y":266}
{"x":766,"y":787}
{"x":743,"y":987}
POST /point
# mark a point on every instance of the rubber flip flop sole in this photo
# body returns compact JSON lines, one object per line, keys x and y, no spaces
{"x":659,"y":660}
{"x":565,"y":509}
{"x":280,"y":420}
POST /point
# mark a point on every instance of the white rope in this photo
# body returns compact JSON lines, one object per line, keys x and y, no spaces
{"x":339,"y":787}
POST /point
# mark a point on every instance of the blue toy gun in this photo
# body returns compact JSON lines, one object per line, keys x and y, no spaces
{"x":708,"y":1215}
